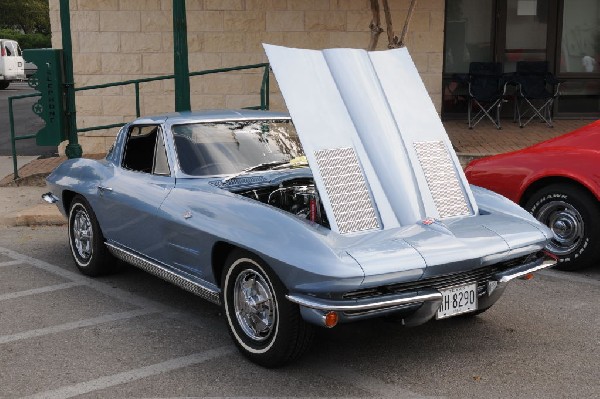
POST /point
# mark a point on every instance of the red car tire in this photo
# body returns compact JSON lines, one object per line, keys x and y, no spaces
{"x":573,"y":214}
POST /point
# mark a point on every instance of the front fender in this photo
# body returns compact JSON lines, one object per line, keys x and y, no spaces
{"x":492,"y":202}
{"x":79,"y":175}
{"x":307,"y":258}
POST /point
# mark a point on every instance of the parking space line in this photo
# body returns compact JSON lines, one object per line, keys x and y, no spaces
{"x":11,"y":263}
{"x":84,"y":280}
{"x":116,"y":293}
{"x":133,"y":375}
{"x":35,"y":291}
{"x":40,"y":264}
{"x":74,"y":325}
{"x":378,"y":388}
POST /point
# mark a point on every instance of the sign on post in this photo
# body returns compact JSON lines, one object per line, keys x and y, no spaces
{"x":48,"y":80}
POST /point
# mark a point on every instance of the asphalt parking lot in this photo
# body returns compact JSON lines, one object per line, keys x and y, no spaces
{"x":65,"y":335}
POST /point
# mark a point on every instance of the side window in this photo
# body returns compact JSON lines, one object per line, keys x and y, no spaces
{"x":145,"y":151}
{"x":11,"y":49}
{"x":161,"y":164}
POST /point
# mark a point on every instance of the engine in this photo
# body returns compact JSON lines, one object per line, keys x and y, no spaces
{"x":298,"y":197}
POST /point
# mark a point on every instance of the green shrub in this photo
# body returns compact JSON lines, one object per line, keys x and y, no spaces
{"x":31,"y":40}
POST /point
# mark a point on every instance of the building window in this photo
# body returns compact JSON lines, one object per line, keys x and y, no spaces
{"x":468,"y":34}
{"x":526,"y":28}
{"x":580,"y":44}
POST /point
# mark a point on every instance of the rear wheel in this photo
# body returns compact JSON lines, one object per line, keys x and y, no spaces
{"x":573,"y":214}
{"x":4,"y":85}
{"x":86,"y":241}
{"x":266,"y":327}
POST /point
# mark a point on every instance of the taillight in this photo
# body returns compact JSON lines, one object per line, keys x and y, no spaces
{"x":3,"y":53}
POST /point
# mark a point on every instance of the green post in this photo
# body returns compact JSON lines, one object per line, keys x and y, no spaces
{"x":180,"y":57}
{"x":13,"y":143}
{"x":73,"y":149}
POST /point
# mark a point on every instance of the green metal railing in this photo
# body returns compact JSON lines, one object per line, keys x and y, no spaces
{"x":264,"y":89}
{"x":264,"y":100}
{"x":13,"y":138}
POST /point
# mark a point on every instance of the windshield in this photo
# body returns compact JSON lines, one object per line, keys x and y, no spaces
{"x":217,"y":148}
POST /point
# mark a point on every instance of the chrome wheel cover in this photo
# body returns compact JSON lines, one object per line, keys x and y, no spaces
{"x":82,"y":234}
{"x":567,"y":224}
{"x":254,"y":305}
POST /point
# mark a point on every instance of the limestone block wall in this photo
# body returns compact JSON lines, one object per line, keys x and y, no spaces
{"x":116,"y":40}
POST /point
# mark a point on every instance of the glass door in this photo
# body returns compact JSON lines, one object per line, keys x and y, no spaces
{"x":469,"y":37}
{"x":523,"y":32}
{"x":579,"y":58}
{"x":566,"y":33}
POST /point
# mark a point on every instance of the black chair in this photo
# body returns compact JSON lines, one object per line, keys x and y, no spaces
{"x":486,"y":91}
{"x":537,"y":89}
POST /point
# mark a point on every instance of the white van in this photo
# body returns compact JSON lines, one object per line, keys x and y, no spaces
{"x":12,"y":64}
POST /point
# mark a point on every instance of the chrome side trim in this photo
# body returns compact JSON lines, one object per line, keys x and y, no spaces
{"x":355,"y":306}
{"x":521,"y":271}
{"x":165,"y":274}
{"x":50,"y":198}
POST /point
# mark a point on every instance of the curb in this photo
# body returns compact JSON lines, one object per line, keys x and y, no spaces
{"x":38,"y":215}
{"x":37,"y":180}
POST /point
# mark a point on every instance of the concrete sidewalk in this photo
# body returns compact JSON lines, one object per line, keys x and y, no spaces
{"x":21,"y":203}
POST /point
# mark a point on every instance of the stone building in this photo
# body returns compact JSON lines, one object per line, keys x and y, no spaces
{"x":116,"y":40}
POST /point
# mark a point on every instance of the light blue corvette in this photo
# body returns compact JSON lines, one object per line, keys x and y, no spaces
{"x":225,"y":204}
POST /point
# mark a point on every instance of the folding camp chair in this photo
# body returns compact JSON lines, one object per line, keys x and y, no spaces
{"x":486,"y":91}
{"x":537,"y":88}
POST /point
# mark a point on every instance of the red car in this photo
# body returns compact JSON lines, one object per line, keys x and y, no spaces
{"x":558,"y":181}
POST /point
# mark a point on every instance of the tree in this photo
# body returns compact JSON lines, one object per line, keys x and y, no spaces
{"x":27,"y":16}
{"x":376,"y":29}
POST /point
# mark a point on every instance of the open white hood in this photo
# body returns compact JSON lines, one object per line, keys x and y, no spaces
{"x":378,"y":151}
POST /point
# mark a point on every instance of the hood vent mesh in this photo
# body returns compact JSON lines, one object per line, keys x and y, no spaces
{"x":345,"y":184}
{"x":442,"y":180}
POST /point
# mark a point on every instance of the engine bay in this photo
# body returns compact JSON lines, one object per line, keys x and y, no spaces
{"x":298,"y":197}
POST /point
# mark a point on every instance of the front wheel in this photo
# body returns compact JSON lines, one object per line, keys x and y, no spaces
{"x":573,"y":214}
{"x":86,"y":241}
{"x":265,"y":326}
{"x":4,"y":85}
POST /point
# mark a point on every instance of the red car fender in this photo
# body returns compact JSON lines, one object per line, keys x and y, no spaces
{"x":513,"y":173}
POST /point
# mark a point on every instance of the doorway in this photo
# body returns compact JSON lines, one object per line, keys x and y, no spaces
{"x":523,"y":32}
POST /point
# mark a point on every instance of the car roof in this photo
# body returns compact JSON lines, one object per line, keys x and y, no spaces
{"x":212,"y":115}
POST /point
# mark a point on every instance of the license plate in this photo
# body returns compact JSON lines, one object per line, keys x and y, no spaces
{"x":458,"y":300}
